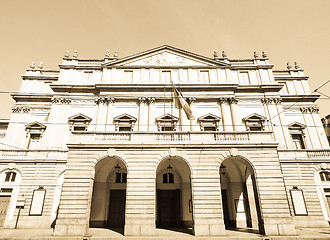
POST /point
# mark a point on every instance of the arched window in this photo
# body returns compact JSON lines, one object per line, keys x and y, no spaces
{"x":10,"y":177}
{"x":325,"y":176}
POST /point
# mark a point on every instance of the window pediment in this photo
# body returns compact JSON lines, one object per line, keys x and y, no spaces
{"x":124,"y":122}
{"x":79,"y":122}
{"x":209,"y":122}
{"x":254,"y":118}
{"x":209,"y":118}
{"x":124,"y":118}
{"x":254,"y":122}
{"x":80,"y":118}
{"x":296,"y":126}
{"x":167,"y":122}
{"x":167,"y":118}
{"x":35,"y":126}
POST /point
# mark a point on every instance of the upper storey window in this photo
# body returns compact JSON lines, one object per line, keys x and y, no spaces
{"x":297,"y":134}
{"x":165,"y":76}
{"x":79,"y":122}
{"x":209,"y":122}
{"x":34,"y":133}
{"x":167,"y":122}
{"x":244,"y":78}
{"x":124,"y":122}
{"x":254,"y":122}
{"x":10,"y":177}
{"x":204,"y":76}
{"x":128,"y":76}
{"x":325,"y":176}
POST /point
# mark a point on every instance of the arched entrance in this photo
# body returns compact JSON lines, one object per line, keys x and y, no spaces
{"x":174,"y":202}
{"x":241,"y":206}
{"x":109,"y":194}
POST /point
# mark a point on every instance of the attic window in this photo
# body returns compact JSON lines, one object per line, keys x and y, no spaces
{"x":297,"y":134}
{"x":124,"y":122}
{"x":34,"y":132}
{"x":79,"y":122}
{"x":167,"y":122}
{"x":254,"y":122}
{"x":209,"y":122}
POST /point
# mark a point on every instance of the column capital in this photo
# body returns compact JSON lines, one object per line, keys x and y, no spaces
{"x":142,"y":100}
{"x":304,"y":109}
{"x":104,"y":100}
{"x":151,"y":100}
{"x":314,"y":109}
{"x":228,"y":100}
{"x":17,"y":109}
{"x":61,"y":100}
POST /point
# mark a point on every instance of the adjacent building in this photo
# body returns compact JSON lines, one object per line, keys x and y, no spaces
{"x":164,"y":138}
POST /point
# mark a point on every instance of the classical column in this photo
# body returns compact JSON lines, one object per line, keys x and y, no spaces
{"x":311,"y":128}
{"x":151,"y":116}
{"x":102,"y":103}
{"x":226,"y":114}
{"x":319,"y":127}
{"x":236,"y":119}
{"x":58,"y":127}
{"x":284,"y":124}
{"x":143,"y":114}
{"x":110,"y":115}
{"x":274,"y":118}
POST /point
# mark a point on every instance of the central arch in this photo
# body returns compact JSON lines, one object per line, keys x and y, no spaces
{"x":241,"y":207}
{"x":109,"y":194}
{"x":174,"y":201}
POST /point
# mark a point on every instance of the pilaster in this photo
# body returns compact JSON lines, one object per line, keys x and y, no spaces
{"x":226,"y":114}
{"x":143,"y":114}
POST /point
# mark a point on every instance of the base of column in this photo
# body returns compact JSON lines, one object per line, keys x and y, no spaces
{"x":71,"y":229}
{"x":140,"y":228}
{"x":283,"y":229}
{"x":208,"y":228}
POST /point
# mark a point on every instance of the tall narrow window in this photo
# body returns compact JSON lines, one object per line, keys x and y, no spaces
{"x":168,"y":178}
{"x":297,"y":134}
{"x":10,"y":177}
{"x":165,"y":77}
{"x":34,"y":134}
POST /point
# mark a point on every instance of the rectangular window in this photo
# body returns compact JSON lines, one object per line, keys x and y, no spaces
{"x":118,"y":176}
{"x":165,"y":128}
{"x":34,"y":141}
{"x":124,"y":128}
{"x":298,"y":142}
{"x":76,"y":128}
{"x":165,"y":77}
{"x":244,"y":78}
{"x":128,"y":76}
{"x":124,"y":177}
{"x":210,"y":129}
{"x":204,"y":76}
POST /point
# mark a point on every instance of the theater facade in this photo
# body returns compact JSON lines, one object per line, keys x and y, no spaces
{"x":165,"y":138}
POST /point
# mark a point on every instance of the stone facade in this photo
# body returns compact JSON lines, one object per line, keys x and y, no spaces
{"x":101,"y":143}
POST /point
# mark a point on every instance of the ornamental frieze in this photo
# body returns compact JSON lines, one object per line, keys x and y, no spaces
{"x":146,"y":100}
{"x":61,"y":100}
{"x":228,"y":100}
{"x":271,"y":100}
{"x":309,"y":109}
{"x":20,"y":109}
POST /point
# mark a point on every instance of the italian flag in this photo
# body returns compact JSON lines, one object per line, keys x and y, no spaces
{"x":179,"y":102}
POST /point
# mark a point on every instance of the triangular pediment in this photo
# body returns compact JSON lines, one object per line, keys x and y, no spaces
{"x":125,"y":118}
{"x":296,"y":125}
{"x":209,"y":118}
{"x":79,"y":118}
{"x":254,"y":117}
{"x":35,"y":125}
{"x":165,"y":56}
{"x":167,"y":118}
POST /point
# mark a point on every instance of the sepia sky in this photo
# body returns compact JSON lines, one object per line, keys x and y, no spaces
{"x":42,"y":30}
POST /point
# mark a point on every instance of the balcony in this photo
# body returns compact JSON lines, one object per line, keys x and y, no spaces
{"x":304,"y":154}
{"x":238,"y":138}
{"x":33,"y":154}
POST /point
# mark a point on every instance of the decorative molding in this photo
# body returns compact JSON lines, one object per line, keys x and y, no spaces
{"x":271,"y":100}
{"x":61,"y":100}
{"x":17,"y":109}
{"x":228,"y":100}
{"x":104,"y":100}
{"x":309,"y":109}
{"x":146,"y":100}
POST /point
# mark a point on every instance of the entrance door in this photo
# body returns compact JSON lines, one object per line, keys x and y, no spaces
{"x":117,"y":208}
{"x":4,"y":203}
{"x":225,"y":208}
{"x":168,"y":208}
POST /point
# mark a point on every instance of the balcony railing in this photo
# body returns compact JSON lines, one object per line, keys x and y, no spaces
{"x":304,"y":154}
{"x":170,"y":137}
{"x":35,"y":154}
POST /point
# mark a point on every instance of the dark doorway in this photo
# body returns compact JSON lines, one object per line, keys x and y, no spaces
{"x":168,"y":209}
{"x":225,"y":208}
{"x":117,"y":208}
